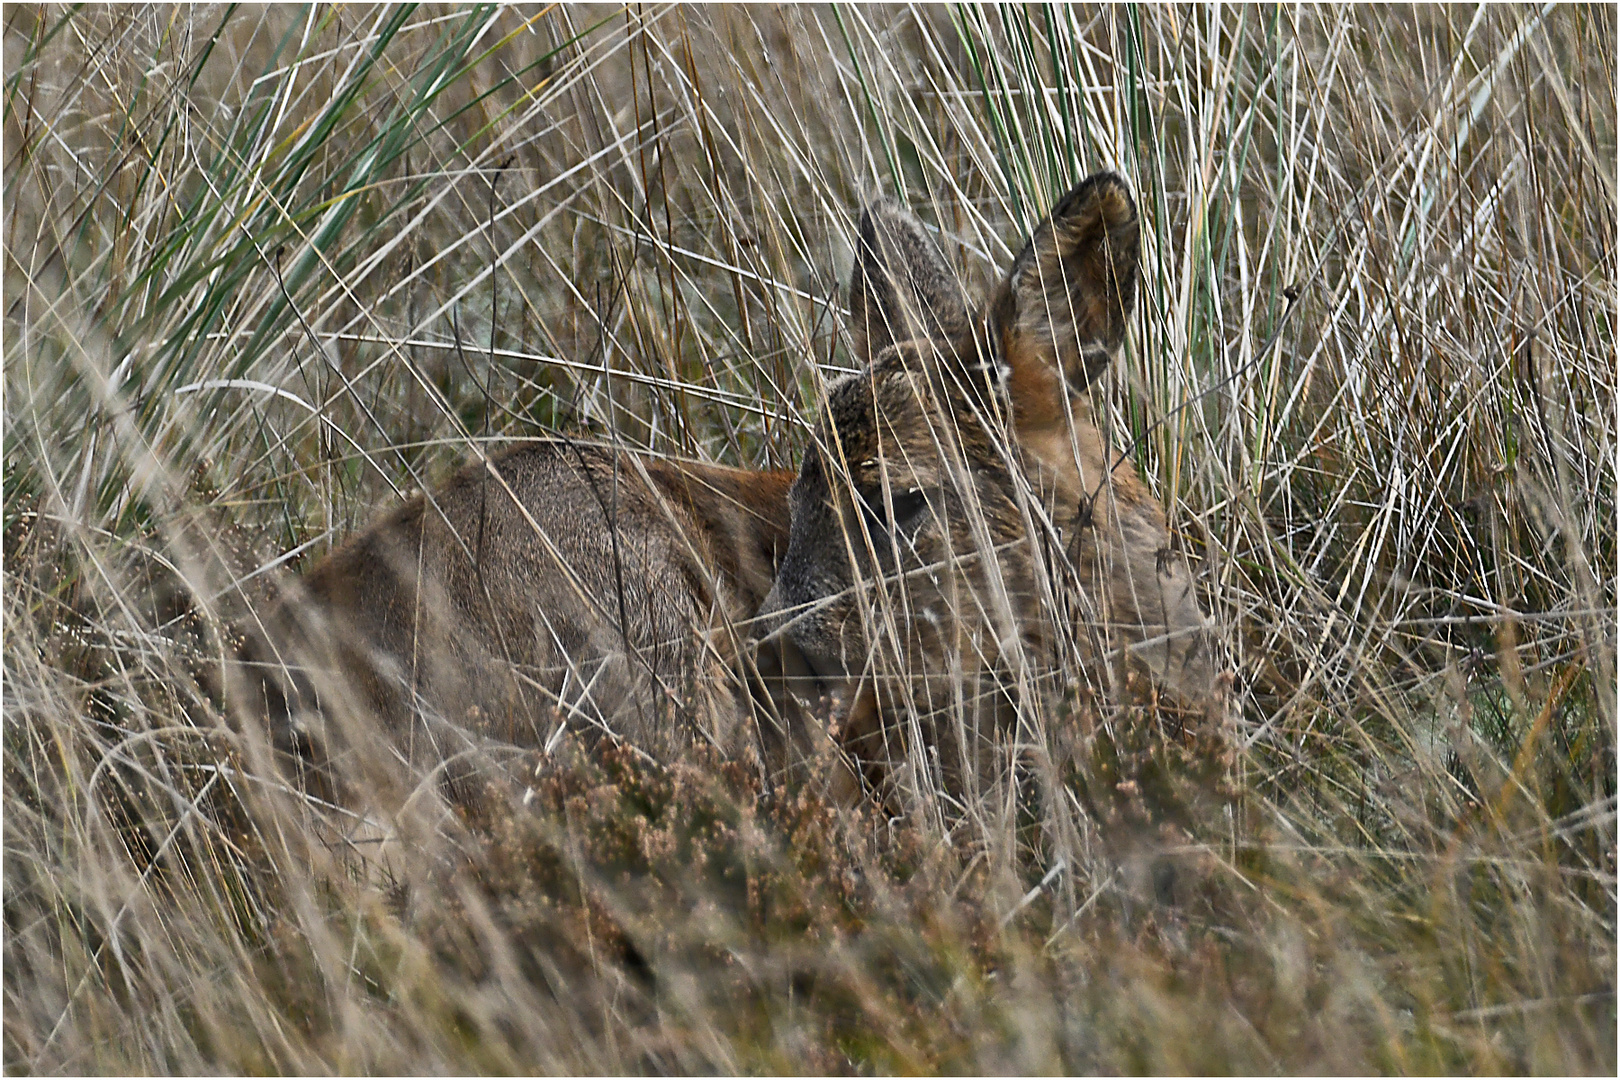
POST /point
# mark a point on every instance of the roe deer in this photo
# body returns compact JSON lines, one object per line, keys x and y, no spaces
{"x":557,"y":583}
{"x":959,"y":516}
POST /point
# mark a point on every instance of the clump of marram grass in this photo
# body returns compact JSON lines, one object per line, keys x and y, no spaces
{"x":266,"y":270}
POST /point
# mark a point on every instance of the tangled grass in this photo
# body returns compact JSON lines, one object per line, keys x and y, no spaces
{"x":266,"y":270}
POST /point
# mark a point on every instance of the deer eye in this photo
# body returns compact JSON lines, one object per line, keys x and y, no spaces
{"x":908,"y":507}
{"x":903,"y":513}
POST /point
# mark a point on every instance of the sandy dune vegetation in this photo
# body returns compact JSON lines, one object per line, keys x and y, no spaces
{"x":270,"y":273}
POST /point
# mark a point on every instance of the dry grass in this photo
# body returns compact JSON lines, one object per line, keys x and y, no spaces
{"x":266,"y":269}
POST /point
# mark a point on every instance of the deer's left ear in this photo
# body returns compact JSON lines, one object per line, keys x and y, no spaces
{"x":902,"y":289}
{"x":1062,"y":311}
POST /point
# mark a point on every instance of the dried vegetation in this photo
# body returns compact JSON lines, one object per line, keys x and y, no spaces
{"x":267,"y":268}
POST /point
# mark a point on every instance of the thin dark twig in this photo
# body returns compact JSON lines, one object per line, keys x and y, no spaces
{"x":275,"y":268}
{"x":1292,"y":293}
{"x":1265,"y":350}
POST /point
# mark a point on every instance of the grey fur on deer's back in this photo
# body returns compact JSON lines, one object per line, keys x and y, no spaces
{"x":558,"y":582}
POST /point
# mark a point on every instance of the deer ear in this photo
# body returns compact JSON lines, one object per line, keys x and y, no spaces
{"x":1062,"y":311}
{"x":902,"y":289}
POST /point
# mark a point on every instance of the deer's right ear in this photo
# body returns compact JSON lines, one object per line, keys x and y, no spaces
{"x":901,"y":289}
{"x":1061,"y":313}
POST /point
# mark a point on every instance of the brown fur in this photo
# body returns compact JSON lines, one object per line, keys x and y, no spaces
{"x":559,"y":583}
{"x":565,"y":585}
{"x":959,"y":525}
